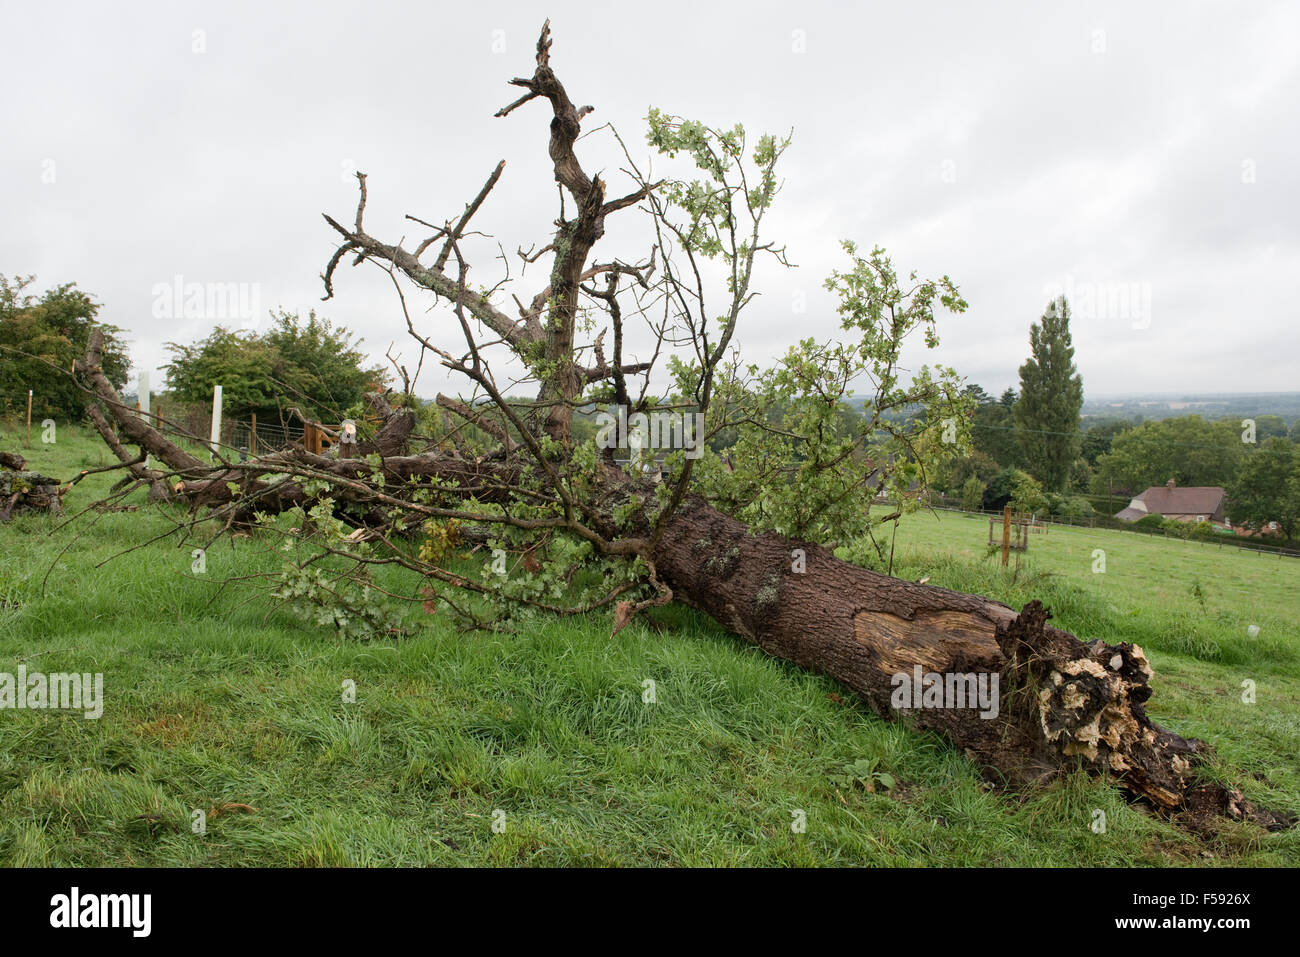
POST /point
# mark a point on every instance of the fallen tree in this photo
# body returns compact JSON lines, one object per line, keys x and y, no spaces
{"x":1064,"y":704}
{"x":571,"y":530}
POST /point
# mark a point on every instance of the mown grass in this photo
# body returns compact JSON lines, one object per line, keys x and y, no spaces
{"x":214,"y":700}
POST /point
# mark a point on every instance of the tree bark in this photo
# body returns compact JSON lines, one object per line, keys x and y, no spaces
{"x":1062,"y":704}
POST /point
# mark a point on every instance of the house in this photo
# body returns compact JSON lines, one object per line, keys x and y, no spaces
{"x":1198,"y":503}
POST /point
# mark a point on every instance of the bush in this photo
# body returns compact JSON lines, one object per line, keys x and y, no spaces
{"x":1027,"y":495}
{"x":972,"y":494}
{"x":1073,"y":507}
{"x":1198,"y":531}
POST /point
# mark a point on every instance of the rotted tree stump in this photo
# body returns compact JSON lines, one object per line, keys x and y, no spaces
{"x":22,"y":490}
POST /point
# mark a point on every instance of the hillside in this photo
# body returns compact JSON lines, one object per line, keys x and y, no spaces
{"x":229,"y":705}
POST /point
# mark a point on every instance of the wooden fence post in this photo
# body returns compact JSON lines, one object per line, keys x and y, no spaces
{"x":1006,"y":534}
{"x":29,"y":418}
{"x":252,"y":436}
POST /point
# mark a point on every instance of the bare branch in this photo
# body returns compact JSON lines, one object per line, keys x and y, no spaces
{"x":470,"y":210}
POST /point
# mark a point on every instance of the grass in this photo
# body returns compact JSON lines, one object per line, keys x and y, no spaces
{"x":1234,"y":587}
{"x":212,"y":702}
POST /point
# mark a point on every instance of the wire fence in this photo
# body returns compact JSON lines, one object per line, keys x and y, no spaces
{"x":238,"y":435}
{"x":268,"y":437}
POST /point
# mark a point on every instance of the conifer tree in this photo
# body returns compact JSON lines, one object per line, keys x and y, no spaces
{"x":1051,"y":395}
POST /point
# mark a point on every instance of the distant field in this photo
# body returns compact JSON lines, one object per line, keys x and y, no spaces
{"x":1209,"y":405}
{"x":214,"y":699}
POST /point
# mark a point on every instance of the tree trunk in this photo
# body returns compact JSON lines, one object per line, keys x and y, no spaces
{"x":1059,"y":703}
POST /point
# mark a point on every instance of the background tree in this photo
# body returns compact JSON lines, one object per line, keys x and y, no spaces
{"x":992,"y":440}
{"x":1051,"y":395}
{"x":1097,"y":439}
{"x":238,"y":361}
{"x":999,"y":491}
{"x":312,"y":365}
{"x":1268,"y":426}
{"x":39,"y":339}
{"x":972,"y":494}
{"x":1080,"y":477}
{"x":1263,"y":489}
{"x":953,"y":473}
{"x":993,"y":429}
{"x":1187,"y":449}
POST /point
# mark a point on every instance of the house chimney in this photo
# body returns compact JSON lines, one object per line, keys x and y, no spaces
{"x":1169,"y":484}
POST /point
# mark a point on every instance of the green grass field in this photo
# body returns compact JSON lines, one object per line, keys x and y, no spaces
{"x":214,"y":700}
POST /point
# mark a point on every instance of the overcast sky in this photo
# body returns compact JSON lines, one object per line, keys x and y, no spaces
{"x":1141,"y":157}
